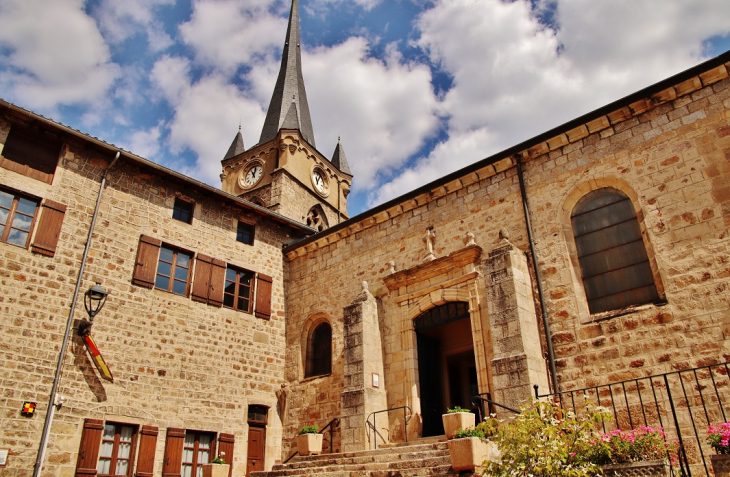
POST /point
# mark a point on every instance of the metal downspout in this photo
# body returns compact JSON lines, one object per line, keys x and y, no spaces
{"x":538,"y":277}
{"x":69,"y":321}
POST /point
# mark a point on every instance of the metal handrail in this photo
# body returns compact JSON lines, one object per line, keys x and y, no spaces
{"x":331,"y":426}
{"x":406,"y":419}
{"x":478,"y":402}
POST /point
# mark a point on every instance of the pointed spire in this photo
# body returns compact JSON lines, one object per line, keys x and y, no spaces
{"x":290,"y":83}
{"x":236,"y":146}
{"x":339,"y":159}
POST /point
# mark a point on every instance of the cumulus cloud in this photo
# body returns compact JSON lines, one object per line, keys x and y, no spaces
{"x":52,"y":61}
{"x":384,"y":110}
{"x":322,"y":5}
{"x":145,"y":143}
{"x":207,"y":113}
{"x":122,"y":20}
{"x":228,"y":33}
{"x":515,"y":77}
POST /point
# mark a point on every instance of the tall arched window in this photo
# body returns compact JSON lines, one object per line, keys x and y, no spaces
{"x":613,"y":261}
{"x":319,"y":351}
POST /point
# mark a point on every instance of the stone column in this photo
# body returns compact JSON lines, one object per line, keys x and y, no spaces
{"x":518,"y":363}
{"x":363,"y":360}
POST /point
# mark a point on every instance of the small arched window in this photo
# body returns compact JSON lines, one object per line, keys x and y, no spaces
{"x":613,"y":261}
{"x":319,"y":351}
{"x":317,"y":219}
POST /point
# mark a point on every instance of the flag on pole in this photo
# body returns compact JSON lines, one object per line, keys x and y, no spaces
{"x":98,"y":359}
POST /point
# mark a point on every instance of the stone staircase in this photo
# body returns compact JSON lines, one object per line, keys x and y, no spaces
{"x":424,"y":457}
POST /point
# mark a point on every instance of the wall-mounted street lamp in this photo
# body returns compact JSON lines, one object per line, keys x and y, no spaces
{"x":94,"y":300}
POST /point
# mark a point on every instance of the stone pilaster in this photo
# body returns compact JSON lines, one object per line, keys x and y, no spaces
{"x":363,"y":360}
{"x":517,"y":364}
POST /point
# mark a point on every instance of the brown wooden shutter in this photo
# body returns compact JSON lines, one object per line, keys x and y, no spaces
{"x":145,"y":268}
{"x":263,"y":296}
{"x":172,"y":463}
{"x":49,"y":228}
{"x":217,"y":282}
{"x":147,"y":448}
{"x":201,"y":282}
{"x":89,"y":448}
{"x":225,"y":449}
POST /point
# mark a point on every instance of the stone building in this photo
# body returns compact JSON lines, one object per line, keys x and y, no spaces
{"x":593,"y":253}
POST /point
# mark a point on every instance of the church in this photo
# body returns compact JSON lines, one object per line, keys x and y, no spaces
{"x":151,"y":322}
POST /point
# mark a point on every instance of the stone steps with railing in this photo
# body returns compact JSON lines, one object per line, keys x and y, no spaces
{"x":400,"y":460}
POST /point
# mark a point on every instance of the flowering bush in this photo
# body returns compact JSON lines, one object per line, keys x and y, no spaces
{"x":718,"y":436}
{"x":547,"y":441}
{"x":622,"y":447}
{"x":312,"y":428}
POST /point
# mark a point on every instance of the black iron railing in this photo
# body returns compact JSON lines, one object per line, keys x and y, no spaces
{"x":406,"y":417}
{"x":331,"y":426}
{"x":684,"y":403}
{"x":479,"y":400}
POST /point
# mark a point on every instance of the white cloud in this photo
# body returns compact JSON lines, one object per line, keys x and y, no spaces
{"x":514,"y":78}
{"x":145,"y":143}
{"x":384,"y":110}
{"x":56,"y":53}
{"x":207,"y":113}
{"x":322,"y":5}
{"x":228,"y":33}
{"x":120,"y":20}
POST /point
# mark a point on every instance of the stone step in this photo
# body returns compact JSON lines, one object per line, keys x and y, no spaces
{"x":372,"y":463}
{"x":374,"y":456}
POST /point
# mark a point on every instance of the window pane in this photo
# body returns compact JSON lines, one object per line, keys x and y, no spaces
{"x":164,"y":268}
{"x":166,"y":254}
{"x":162,"y":282}
{"x":243,"y":304}
{"x":187,"y":470}
{"x":6,"y":200}
{"x":122,"y":466}
{"x":183,"y":260}
{"x":104,"y":466}
{"x":245,"y":279}
{"x":188,"y":453}
{"x":205,"y":441}
{"x":179,"y":287}
{"x":231,"y":274}
{"x":107,"y":447}
{"x":26,"y":206}
{"x":203,"y":456}
{"x":228,"y":301}
{"x":17,"y":237}
{"x":22,"y":222}
{"x":189,"y":442}
{"x":3,"y":216}
{"x":230,"y":288}
{"x":124,"y":448}
{"x":126,"y":434}
{"x":181,"y":274}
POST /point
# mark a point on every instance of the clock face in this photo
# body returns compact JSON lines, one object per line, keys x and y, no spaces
{"x":318,"y":181}
{"x":253,"y":175}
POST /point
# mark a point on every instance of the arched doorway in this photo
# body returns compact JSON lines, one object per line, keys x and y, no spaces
{"x":446,"y":366}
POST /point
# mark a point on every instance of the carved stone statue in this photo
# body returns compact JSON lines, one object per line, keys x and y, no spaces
{"x":430,"y":238}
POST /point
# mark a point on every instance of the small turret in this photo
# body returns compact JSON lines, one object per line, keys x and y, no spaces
{"x":339,"y":159}
{"x":236,"y":146}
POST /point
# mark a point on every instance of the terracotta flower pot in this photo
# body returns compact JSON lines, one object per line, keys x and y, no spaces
{"x":216,"y":470}
{"x":309,"y":444}
{"x":471,"y":452}
{"x":455,"y":421}
{"x":721,"y":465}
{"x":652,"y":468}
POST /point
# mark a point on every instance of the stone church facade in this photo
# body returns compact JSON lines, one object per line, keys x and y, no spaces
{"x":594,"y":253}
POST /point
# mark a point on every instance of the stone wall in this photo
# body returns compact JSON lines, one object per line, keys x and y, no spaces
{"x":670,"y":153}
{"x":176,"y":363}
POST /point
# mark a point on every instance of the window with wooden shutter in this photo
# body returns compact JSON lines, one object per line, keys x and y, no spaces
{"x":201,"y":283}
{"x":225,"y":449}
{"x":614,"y":265}
{"x":198,"y":449}
{"x":238,"y":293}
{"x":172,"y":462}
{"x":31,"y":153}
{"x":145,"y":267}
{"x":17,"y":216}
{"x":49,"y":228}
{"x":89,"y":447}
{"x":263,"y":296}
{"x":173,"y":270}
{"x":147,"y":448}
{"x":116,"y":455}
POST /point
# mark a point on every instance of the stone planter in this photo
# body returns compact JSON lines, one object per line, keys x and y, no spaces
{"x":457,"y":420}
{"x":471,"y":452}
{"x":721,"y":465}
{"x":652,"y":468}
{"x":309,"y":444}
{"x":216,"y":470}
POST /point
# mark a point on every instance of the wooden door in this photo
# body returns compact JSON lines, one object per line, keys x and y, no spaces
{"x":256,"y":449}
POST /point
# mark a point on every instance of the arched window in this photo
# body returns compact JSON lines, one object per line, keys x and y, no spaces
{"x":613,"y":261}
{"x":316,"y":218}
{"x":319,"y":351}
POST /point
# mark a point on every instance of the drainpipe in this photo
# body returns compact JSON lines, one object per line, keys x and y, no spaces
{"x":339,"y":204}
{"x":538,"y":277}
{"x":55,"y":402}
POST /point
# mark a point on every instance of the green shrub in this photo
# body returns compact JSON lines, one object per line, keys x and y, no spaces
{"x":470,"y":432}
{"x":311,"y":428}
{"x":218,"y":460}
{"x":456,"y":409}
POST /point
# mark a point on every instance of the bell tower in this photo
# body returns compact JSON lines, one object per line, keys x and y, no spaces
{"x":285,"y":172}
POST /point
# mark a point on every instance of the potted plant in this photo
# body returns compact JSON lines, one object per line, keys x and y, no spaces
{"x":309,"y":440}
{"x":217,"y":468}
{"x":545,"y":441}
{"x":718,"y":436}
{"x":470,"y":448}
{"x":644,"y":450}
{"x":455,"y":419}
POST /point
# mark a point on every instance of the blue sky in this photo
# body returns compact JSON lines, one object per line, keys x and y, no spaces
{"x":415,"y":88}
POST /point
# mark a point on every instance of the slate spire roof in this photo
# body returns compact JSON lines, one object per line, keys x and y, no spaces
{"x":339,"y":159}
{"x":236,"y":146}
{"x":289,"y":92}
